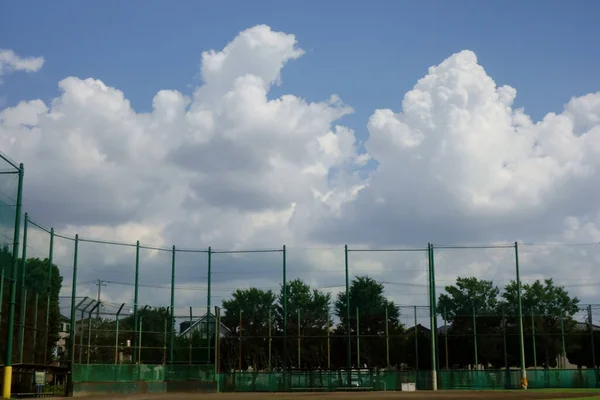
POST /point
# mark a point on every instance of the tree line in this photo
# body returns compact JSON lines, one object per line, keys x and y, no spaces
{"x":43,"y":283}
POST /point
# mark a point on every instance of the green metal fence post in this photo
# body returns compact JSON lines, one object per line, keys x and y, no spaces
{"x":270,"y":340}
{"x":136,"y":317}
{"x":432,"y":312}
{"x":208,"y":298}
{"x":591,"y":325}
{"x":240,"y":348}
{"x":73,"y":321}
{"x":6,"y":387}
{"x":328,"y":340}
{"x":49,"y":293}
{"x":357,"y":340}
{"x":533,"y":338}
{"x":285,"y":316}
{"x":505,"y":344}
{"x":23,"y":290}
{"x":475,"y":338}
{"x":192,"y":335}
{"x":562,"y":336}
{"x":1,"y":290}
{"x":299,"y":341}
{"x":217,"y":347}
{"x":387,"y":340}
{"x":35,"y":325}
{"x":172,"y":320}
{"x":22,"y":328}
{"x":348,"y":327}
{"x":520,"y":310}
{"x":139,"y":349}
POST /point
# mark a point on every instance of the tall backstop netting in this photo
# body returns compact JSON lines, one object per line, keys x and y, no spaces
{"x":117,"y":315}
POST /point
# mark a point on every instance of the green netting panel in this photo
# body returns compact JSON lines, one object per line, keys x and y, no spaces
{"x":191,"y":372}
{"x":141,"y":372}
{"x":479,"y":379}
{"x":118,"y":372}
{"x":304,"y":381}
{"x":564,"y":379}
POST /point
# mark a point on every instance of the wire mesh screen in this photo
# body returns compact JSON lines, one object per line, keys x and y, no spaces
{"x":9,"y":193}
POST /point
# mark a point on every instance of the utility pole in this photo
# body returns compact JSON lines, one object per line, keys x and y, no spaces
{"x":99,"y":283}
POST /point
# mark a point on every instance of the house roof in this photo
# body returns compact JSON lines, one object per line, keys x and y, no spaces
{"x":200,"y":320}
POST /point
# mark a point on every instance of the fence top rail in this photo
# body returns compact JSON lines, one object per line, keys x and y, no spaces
{"x":417,"y":249}
{"x":483,"y":246}
{"x":280,"y":250}
{"x":10,"y":162}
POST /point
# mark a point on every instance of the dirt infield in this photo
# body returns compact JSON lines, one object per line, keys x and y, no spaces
{"x":454,"y":395}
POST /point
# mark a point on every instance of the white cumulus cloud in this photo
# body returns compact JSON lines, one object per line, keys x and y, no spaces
{"x":229,"y":167}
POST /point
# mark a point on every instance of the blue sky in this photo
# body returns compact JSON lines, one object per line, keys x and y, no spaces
{"x":370,"y":53}
{"x":460,"y":165}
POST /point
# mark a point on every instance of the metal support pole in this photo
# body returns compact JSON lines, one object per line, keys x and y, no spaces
{"x":23,"y":290}
{"x":387,"y":339}
{"x":240,"y":348}
{"x":432,"y":312}
{"x":416,"y":340}
{"x":49,"y":293}
{"x":519,"y":304}
{"x":299,"y":341}
{"x":476,"y":366}
{"x":562,"y":336}
{"x":172,"y":321}
{"x":117,"y":335}
{"x":7,"y":381}
{"x":348,"y":327}
{"x":136,"y":300}
{"x":192,"y":335}
{"x":270,"y":340}
{"x":285,"y":317}
{"x":22,"y":328}
{"x":505,"y":344}
{"x":1,"y":291}
{"x":218,"y":347}
{"x":357,"y":340}
{"x":165,"y":338}
{"x":533,"y":338}
{"x":35,"y":326}
{"x":208,"y":298}
{"x":328,"y":341}
{"x":139,"y":349}
{"x":73,"y":296}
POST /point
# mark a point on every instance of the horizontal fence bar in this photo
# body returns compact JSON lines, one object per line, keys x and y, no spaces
{"x":501,"y":246}
{"x":246,"y":251}
{"x":106,"y":242}
{"x":32,"y":222}
{"x":386,"y":250}
{"x":11,"y":162}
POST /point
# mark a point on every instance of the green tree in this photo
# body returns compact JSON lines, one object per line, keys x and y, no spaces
{"x":366,"y":296}
{"x":548,"y":304}
{"x":311,"y":306}
{"x":470,"y":297}
{"x":246,"y":316}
